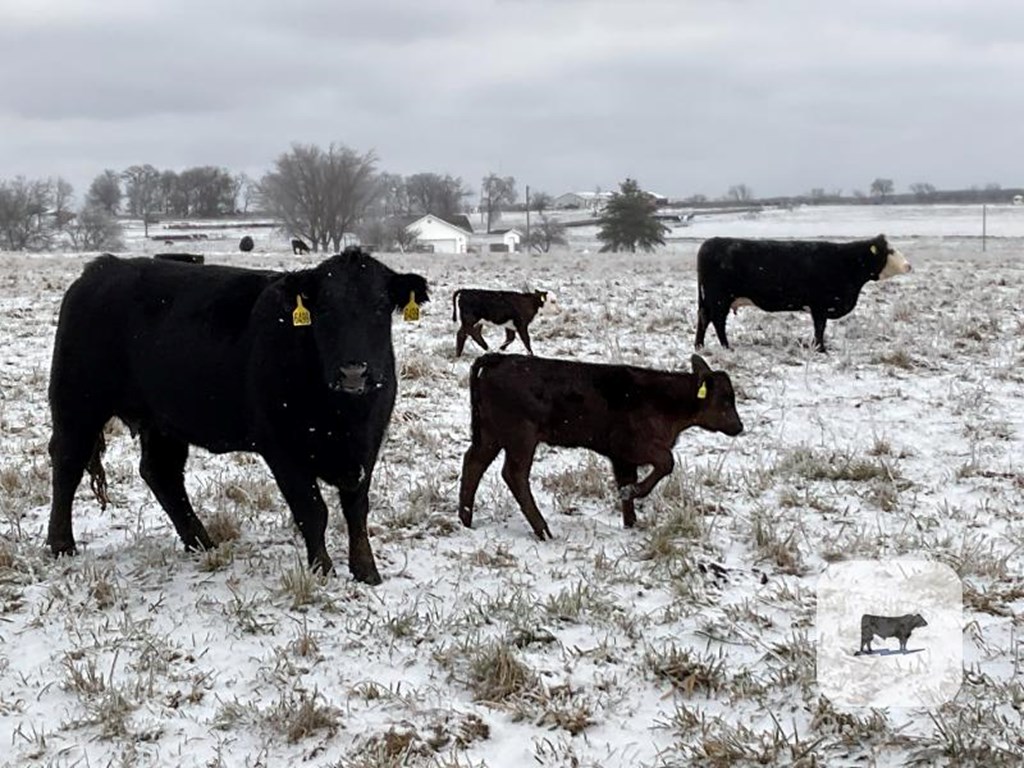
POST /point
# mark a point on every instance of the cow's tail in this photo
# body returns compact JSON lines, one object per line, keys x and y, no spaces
{"x":455,"y":298}
{"x":475,"y":372}
{"x":97,"y":475}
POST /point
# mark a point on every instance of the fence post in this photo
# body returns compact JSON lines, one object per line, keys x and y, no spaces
{"x":984,"y":224}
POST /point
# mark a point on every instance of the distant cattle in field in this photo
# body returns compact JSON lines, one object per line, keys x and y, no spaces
{"x":295,"y":366}
{"x":246,"y":244}
{"x":631,"y":415}
{"x":779,"y":275}
{"x":514,"y":310}
{"x":899,"y":627}
{"x":299,"y":246}
{"x":185,"y":258}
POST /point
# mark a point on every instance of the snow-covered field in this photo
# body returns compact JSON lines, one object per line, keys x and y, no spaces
{"x":603,"y":647}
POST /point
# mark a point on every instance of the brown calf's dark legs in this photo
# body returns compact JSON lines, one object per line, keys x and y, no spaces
{"x":662,"y":466}
{"x":516,"y":473}
{"x":625,"y":479}
{"x":476,"y":461}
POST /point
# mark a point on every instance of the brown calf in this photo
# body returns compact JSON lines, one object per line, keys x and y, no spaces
{"x":631,"y":415}
{"x":498,"y":307}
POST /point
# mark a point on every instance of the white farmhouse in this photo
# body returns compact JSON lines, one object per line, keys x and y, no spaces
{"x":498,"y":240}
{"x":439,"y":235}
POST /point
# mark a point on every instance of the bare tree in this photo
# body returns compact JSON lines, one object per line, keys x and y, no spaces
{"x":95,"y":229}
{"x":881,"y":188}
{"x":548,"y":232}
{"x":432,"y":193}
{"x":105,"y":192}
{"x":394,"y":196}
{"x":25,"y":220}
{"x":922,"y":190}
{"x":247,"y":192}
{"x":496,"y":192}
{"x":540,"y":201}
{"x":740,"y":193}
{"x":319,"y":194}
{"x":142,"y":187}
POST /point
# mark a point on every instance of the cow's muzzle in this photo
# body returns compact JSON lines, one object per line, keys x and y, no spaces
{"x":353,"y":379}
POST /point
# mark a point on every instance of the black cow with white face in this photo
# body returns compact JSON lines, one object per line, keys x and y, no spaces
{"x":295,"y":366}
{"x":781,"y":275}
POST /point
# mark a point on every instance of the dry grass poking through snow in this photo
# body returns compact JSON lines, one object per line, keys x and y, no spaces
{"x":604,"y":647}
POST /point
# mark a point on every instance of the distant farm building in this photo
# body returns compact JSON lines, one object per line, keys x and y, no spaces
{"x":1018,"y":199}
{"x":434,"y":233}
{"x":499,"y":240}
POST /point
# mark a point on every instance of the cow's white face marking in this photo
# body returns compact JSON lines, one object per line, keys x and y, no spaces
{"x":895,"y":264}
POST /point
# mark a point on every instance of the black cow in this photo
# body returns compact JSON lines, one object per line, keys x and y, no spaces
{"x":295,"y":366}
{"x":185,"y":258}
{"x":779,"y":275}
{"x":512,"y":309}
{"x":299,"y":246}
{"x":631,"y":415}
{"x":899,"y":627}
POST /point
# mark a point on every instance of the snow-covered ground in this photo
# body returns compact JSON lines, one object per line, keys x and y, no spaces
{"x":603,"y":647}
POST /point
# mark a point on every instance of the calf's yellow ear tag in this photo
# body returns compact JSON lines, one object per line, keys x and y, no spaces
{"x":411,"y":312}
{"x":300,"y":315}
{"x":874,"y":249}
{"x":702,"y":391}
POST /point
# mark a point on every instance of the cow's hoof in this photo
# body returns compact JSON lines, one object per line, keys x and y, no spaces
{"x":322,"y":563}
{"x":60,"y":548}
{"x":366,"y":575}
{"x":466,"y":517}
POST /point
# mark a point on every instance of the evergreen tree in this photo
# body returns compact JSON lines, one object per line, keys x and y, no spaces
{"x":628,"y":221}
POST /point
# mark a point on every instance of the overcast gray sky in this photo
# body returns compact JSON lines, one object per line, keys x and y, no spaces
{"x":686,"y":97}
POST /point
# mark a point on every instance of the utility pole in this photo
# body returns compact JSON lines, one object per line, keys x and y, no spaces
{"x":527,"y":218}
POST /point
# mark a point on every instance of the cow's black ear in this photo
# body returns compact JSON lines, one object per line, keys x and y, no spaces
{"x":401,"y":286}
{"x":700,"y":368}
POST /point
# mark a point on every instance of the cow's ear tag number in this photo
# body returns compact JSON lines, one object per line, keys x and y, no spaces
{"x":702,"y":391}
{"x":411,"y":313}
{"x":300,"y":315}
{"x":874,"y":249}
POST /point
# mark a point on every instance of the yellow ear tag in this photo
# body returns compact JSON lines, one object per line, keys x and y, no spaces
{"x":874,"y":249}
{"x":702,"y":391}
{"x":412,"y":309}
{"x":300,"y":315}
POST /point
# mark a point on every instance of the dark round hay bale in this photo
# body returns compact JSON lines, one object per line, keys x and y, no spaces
{"x":245,"y":244}
{"x":187,"y":258}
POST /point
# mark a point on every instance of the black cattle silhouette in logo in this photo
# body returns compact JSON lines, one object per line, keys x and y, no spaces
{"x":899,"y":627}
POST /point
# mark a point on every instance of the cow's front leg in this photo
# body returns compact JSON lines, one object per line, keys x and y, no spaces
{"x":302,"y":494}
{"x":625,"y":478}
{"x":662,"y":466}
{"x":355,"y":504}
{"x":819,"y":318}
{"x":516,"y":474}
